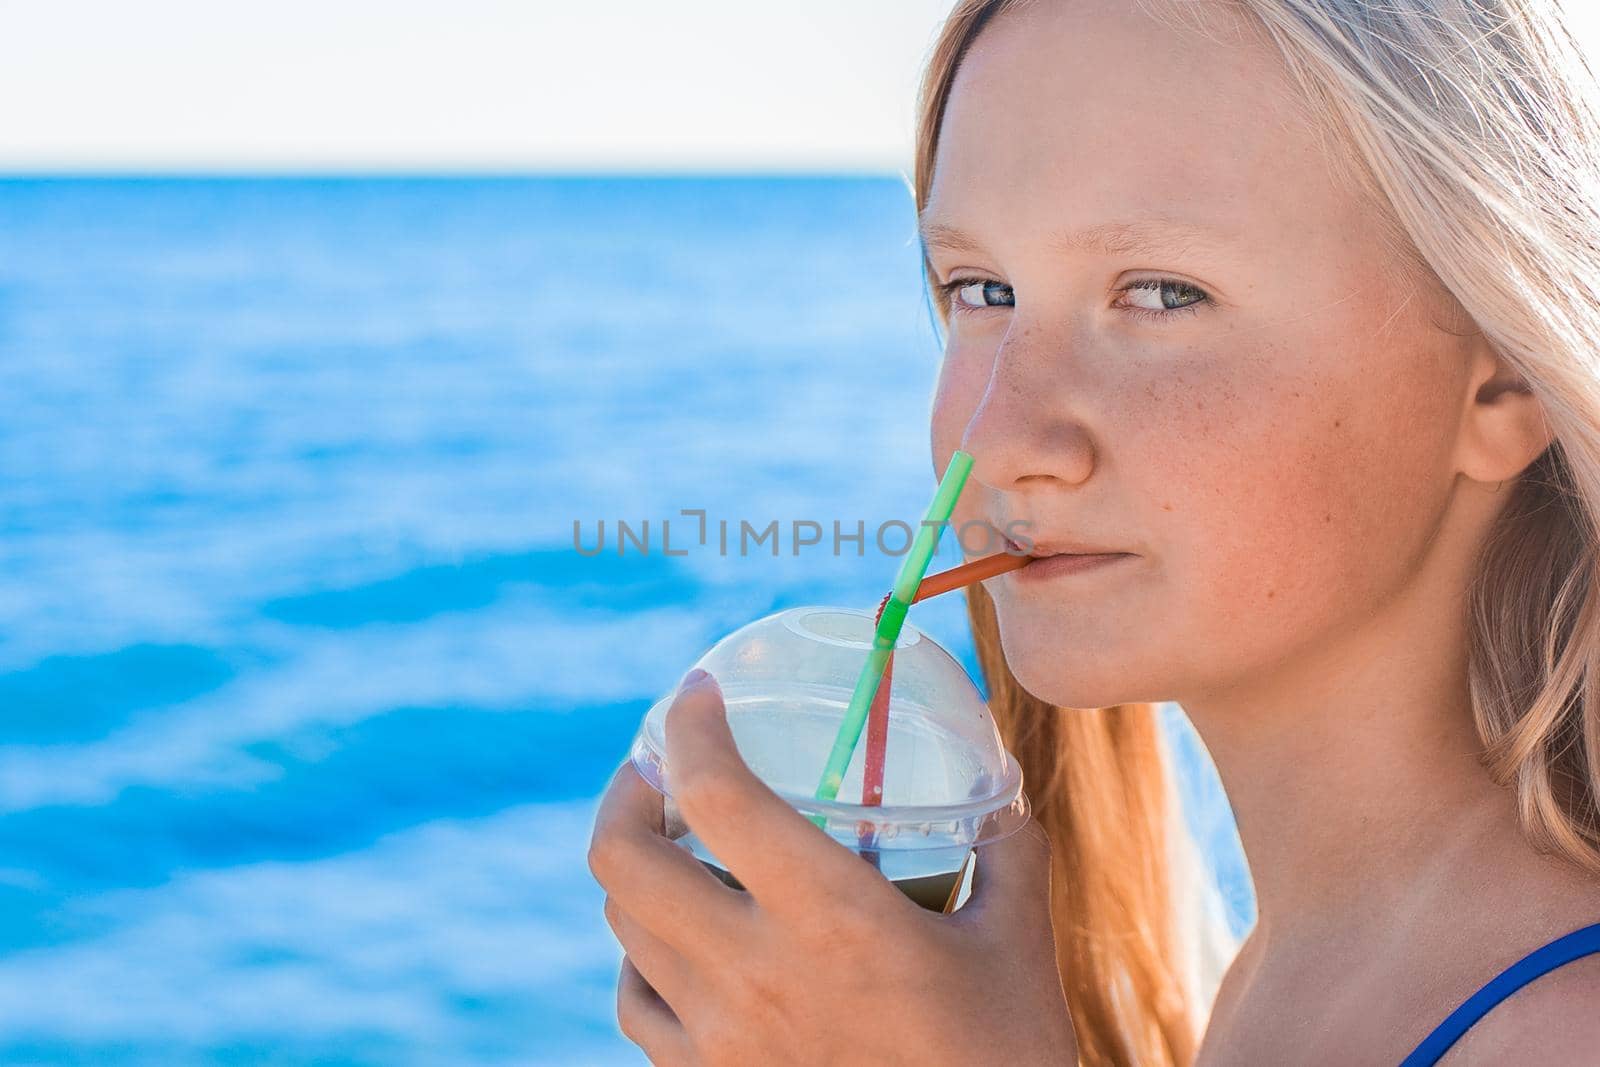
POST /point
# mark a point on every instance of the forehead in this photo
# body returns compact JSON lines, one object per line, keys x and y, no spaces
{"x":1091,"y":111}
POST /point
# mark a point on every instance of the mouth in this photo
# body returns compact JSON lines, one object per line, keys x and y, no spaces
{"x":1045,"y":549}
{"x":1052,"y":561}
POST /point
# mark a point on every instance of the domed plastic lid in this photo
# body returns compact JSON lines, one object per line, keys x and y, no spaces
{"x":787,"y":680}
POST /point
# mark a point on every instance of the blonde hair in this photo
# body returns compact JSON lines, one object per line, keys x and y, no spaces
{"x":1472,"y":125}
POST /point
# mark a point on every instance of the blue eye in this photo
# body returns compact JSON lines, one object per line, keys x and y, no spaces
{"x":1163,"y":294}
{"x":972,"y":294}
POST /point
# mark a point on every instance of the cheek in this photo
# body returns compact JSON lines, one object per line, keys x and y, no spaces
{"x":1291,"y":494}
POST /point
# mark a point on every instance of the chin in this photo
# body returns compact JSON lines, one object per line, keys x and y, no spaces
{"x":1045,"y":672}
{"x":1060,"y":670}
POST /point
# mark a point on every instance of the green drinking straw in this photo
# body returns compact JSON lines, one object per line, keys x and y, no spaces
{"x":912,"y":569}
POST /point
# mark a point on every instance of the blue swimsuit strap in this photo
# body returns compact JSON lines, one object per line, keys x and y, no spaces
{"x":1540,"y":961}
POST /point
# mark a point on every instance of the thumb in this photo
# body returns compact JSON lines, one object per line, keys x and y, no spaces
{"x":1011,"y":883}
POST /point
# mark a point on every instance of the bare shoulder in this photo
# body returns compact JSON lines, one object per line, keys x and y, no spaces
{"x":1553,"y":1019}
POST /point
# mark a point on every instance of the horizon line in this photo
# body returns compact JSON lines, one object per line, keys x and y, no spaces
{"x":203,"y":172}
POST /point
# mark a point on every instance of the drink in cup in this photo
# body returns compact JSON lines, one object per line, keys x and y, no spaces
{"x":928,"y":879}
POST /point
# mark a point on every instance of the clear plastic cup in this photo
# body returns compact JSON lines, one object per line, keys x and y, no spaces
{"x":949,"y":785}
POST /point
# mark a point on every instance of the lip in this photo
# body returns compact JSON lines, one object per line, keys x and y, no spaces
{"x":1055,"y":559}
{"x":1061,"y":564}
{"x":1045,"y":549}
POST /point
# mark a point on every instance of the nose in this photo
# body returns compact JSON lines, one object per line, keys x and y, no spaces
{"x":1028,"y":433}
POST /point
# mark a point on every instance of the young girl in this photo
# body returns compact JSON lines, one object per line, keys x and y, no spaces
{"x":1282,"y":314}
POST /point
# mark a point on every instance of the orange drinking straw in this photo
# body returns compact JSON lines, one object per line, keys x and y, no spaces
{"x":967,"y":573}
{"x":878,"y":717}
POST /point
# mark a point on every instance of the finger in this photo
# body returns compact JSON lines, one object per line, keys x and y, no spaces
{"x":1010,"y":882}
{"x":776,"y":853}
{"x":645,"y":1019}
{"x":661,"y":885}
{"x":660,"y":964}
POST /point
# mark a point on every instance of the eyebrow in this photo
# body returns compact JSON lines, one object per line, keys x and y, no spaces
{"x":1140,"y":237}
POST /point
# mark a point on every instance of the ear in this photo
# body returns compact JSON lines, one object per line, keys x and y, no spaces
{"x":1503,"y":429}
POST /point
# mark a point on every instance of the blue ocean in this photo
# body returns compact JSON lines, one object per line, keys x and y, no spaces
{"x":306,"y":692}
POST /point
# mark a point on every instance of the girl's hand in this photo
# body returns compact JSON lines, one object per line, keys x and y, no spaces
{"x":823,"y":960}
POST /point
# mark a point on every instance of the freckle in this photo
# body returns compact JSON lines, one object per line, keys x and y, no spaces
{"x":1271,"y":593}
{"x":1327,"y":518}
{"x":1337,"y":424}
{"x":1295,"y":395}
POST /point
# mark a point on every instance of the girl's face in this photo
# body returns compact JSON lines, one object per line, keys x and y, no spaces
{"x":1173,"y":333}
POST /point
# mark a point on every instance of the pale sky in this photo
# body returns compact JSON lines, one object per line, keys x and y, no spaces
{"x":463,"y":84}
{"x":809,"y":85}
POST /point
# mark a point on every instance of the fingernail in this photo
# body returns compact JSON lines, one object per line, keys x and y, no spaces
{"x":694,"y":678}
